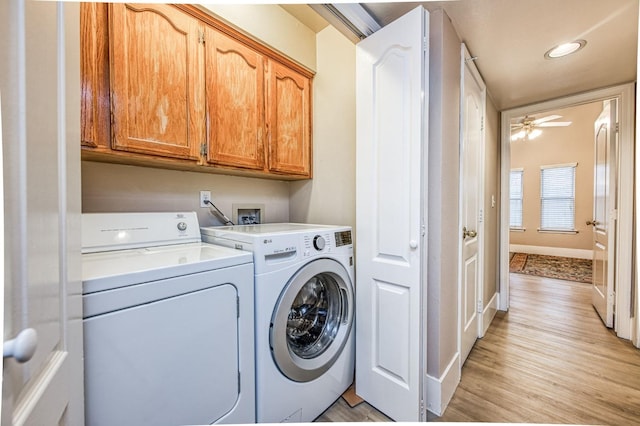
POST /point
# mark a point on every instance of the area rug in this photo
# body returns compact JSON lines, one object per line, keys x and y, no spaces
{"x":563,"y":268}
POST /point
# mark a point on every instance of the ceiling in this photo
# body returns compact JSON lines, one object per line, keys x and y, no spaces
{"x":510,"y":37}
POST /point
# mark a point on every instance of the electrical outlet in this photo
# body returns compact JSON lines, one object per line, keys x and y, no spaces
{"x":204,"y":197}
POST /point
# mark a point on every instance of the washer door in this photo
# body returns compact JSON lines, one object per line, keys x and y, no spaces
{"x":312,"y":320}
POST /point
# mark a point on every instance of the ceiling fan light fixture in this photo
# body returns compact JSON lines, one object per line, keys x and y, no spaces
{"x":565,"y":49}
{"x":534,"y":134}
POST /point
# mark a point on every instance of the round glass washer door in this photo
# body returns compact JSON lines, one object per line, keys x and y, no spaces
{"x":312,"y":320}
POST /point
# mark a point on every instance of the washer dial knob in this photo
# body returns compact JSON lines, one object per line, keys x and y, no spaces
{"x":182,"y":226}
{"x":319,"y":242}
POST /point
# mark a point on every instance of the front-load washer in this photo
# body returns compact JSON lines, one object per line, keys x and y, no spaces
{"x":168,"y":323}
{"x":304,"y":294}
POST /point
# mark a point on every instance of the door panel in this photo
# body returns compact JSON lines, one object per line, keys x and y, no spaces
{"x":40,"y":88}
{"x":391,"y":105}
{"x":604,"y":205}
{"x":471,"y":190}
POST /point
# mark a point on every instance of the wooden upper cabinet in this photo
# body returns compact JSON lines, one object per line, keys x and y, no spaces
{"x":289,"y":121}
{"x":235,"y":98}
{"x":156,"y":72}
{"x":171,"y":86}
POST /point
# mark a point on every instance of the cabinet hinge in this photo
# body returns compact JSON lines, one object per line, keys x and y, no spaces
{"x":482,"y":125}
{"x":203,"y":149}
{"x":479,"y":306}
{"x":200,"y":36}
{"x":617,"y":128}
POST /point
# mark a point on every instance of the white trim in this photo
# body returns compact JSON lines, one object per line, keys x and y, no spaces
{"x":635,"y":325}
{"x":624,"y":233}
{"x":489,"y":313}
{"x":552,"y":251}
{"x":440,"y":390}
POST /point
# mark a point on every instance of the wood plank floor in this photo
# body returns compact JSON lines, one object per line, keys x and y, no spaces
{"x":548,"y":360}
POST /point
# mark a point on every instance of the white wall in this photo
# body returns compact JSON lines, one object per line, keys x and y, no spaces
{"x":330,"y":197}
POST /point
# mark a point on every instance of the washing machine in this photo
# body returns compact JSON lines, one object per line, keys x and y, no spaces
{"x":168,"y":323}
{"x":304,"y":306}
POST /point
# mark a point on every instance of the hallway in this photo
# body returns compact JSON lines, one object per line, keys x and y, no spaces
{"x":548,"y":360}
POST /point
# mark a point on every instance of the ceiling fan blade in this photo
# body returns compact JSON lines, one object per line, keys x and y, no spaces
{"x":545,"y":119}
{"x":555,"y":124}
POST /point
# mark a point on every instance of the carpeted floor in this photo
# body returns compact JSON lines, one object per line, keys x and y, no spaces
{"x":563,"y":268}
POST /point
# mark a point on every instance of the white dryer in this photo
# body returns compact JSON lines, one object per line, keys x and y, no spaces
{"x":168,"y":323}
{"x":304,"y":306}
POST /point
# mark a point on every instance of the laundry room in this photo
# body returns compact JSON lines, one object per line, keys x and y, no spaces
{"x":230,"y":213}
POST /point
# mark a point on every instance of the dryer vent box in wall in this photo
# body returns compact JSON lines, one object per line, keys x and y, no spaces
{"x":248,"y":214}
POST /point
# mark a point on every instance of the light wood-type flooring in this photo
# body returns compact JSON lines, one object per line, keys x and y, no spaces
{"x":548,"y":360}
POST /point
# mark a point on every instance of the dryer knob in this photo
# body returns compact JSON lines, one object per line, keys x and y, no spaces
{"x":318,"y":242}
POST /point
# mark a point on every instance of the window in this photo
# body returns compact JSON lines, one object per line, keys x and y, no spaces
{"x":557,"y":197}
{"x":515,"y":199}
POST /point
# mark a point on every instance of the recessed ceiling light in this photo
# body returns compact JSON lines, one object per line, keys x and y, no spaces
{"x":565,"y":49}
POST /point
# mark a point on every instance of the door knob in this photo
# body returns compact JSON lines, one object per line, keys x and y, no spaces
{"x":468,"y":233}
{"x":413,"y":244}
{"x":592,"y":222}
{"x":22,"y":347}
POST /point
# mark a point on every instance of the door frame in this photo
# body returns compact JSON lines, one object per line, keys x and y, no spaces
{"x":625,"y":94}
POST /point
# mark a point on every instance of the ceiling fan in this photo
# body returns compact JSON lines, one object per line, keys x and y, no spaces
{"x":528,"y":127}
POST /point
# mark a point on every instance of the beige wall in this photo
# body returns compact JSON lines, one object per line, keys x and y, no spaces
{"x":328,"y":198}
{"x":558,"y":145}
{"x":272,"y":25}
{"x":443,"y":206}
{"x":118,"y":188}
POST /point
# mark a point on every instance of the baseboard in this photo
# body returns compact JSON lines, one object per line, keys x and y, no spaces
{"x":489,"y":312}
{"x":440,"y":390}
{"x":552,"y":251}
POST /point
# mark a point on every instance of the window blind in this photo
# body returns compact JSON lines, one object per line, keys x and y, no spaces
{"x":515,"y":199}
{"x":557,"y":197}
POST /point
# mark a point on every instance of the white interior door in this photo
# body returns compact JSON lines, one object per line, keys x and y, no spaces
{"x":604,"y":212}
{"x":471,"y":189}
{"x":39,"y":52}
{"x":391,"y":95}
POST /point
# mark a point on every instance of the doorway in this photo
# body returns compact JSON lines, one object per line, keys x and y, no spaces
{"x":625,"y":96}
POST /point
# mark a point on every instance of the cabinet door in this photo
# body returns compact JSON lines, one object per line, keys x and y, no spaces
{"x":235,"y":102}
{"x":94,"y":75}
{"x":156,"y":81}
{"x":289,"y":121}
